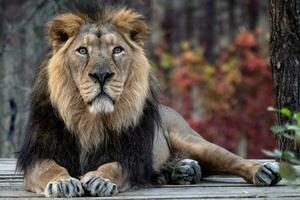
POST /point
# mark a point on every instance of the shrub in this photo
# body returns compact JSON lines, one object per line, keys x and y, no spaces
{"x":225,"y":100}
{"x":291,"y":131}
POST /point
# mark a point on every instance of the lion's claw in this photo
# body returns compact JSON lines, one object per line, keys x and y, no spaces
{"x":64,"y":188}
{"x":267,"y":174}
{"x":186,"y":171}
{"x":98,"y":186}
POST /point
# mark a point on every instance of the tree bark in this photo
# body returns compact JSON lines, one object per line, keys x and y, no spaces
{"x":253,"y":9}
{"x":210,"y":36}
{"x":284,"y":18}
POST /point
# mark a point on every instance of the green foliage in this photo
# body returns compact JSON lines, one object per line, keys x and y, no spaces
{"x":288,"y":172}
{"x":291,"y":131}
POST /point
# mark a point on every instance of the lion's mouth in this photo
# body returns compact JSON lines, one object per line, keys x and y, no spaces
{"x":100,"y":95}
{"x":101,"y":103}
{"x":104,"y":95}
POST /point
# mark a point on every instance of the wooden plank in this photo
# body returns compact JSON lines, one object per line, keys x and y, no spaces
{"x":201,"y":190}
{"x":214,"y":187}
{"x":189,"y":192}
{"x":162,"y":198}
{"x":11,"y":184}
{"x":8,"y":167}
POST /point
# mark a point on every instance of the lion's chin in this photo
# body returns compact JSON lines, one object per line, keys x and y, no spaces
{"x":102,"y":104}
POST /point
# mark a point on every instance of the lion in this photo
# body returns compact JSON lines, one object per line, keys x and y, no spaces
{"x":96,"y":126}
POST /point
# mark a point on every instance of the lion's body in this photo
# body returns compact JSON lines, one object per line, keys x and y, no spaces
{"x":65,"y":147}
{"x":95,"y":116}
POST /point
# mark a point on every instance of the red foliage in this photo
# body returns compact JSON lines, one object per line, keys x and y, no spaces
{"x":233,"y":94}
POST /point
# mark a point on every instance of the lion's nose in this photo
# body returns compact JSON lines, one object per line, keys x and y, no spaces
{"x":102,"y":76}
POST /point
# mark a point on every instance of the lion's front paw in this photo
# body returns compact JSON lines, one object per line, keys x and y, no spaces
{"x":267,"y":174}
{"x":98,"y":186}
{"x":70,"y":187}
{"x":186,"y":171}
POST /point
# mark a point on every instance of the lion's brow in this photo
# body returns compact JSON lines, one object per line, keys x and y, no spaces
{"x":97,"y":29}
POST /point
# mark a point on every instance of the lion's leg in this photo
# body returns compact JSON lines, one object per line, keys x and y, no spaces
{"x":51,"y":179}
{"x":212,"y":158}
{"x":215,"y":159}
{"x":105,"y":181}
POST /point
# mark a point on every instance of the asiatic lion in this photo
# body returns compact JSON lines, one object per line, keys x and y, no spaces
{"x":95,"y":125}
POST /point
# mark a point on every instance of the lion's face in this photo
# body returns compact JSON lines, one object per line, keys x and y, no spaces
{"x":99,"y":53}
{"x":99,"y":60}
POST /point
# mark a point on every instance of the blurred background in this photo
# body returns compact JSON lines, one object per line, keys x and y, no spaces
{"x":210,"y":56}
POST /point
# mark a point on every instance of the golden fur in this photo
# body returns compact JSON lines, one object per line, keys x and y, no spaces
{"x":70,"y":105}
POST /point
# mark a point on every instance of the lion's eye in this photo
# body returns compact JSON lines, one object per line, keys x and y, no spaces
{"x":117,"y":50}
{"x":82,"y":50}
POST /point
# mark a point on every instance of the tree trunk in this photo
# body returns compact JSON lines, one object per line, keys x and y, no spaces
{"x":253,"y":10}
{"x":284,"y":17}
{"x":232,"y":19}
{"x":210,"y":36}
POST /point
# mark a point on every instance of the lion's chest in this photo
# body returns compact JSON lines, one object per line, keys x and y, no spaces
{"x":132,"y":148}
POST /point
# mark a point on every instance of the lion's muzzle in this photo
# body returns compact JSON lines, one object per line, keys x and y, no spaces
{"x":102,"y":102}
{"x":101,"y":76}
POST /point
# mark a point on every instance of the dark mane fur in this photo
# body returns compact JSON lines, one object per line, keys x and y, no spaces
{"x":95,"y":10}
{"x":48,"y":138}
{"x":91,"y":9}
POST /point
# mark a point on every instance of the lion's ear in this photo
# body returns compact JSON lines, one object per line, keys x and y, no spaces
{"x":62,"y":27}
{"x":131,"y":23}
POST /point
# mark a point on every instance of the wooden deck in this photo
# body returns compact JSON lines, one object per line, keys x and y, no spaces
{"x":216,"y":187}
